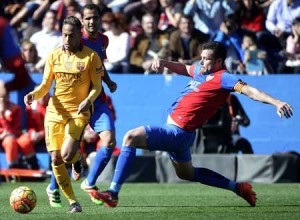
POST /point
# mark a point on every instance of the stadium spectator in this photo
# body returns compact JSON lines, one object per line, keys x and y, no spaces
{"x":208,"y":15}
{"x":64,"y":8}
{"x":292,"y":51}
{"x":210,"y":87}
{"x":24,"y":14}
{"x":116,"y":5}
{"x":134,"y":12}
{"x":169,"y":15}
{"x":9,"y":8}
{"x":102,"y":6}
{"x":255,"y":59}
{"x":231,"y":35}
{"x":250,"y":16}
{"x":12,"y":139}
{"x":68,"y":109}
{"x":280,"y":16}
{"x":186,"y":42}
{"x":117,"y":31}
{"x":11,"y":58}
{"x":35,"y":122}
{"x":30,"y":56}
{"x":48,"y":34}
{"x":150,"y":44}
{"x":12,"y":62}
{"x":238,"y":118}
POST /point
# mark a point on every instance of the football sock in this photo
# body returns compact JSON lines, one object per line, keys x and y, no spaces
{"x":64,"y":181}
{"x":102,"y":157}
{"x":123,"y":168}
{"x":211,"y":178}
{"x":53,"y":183}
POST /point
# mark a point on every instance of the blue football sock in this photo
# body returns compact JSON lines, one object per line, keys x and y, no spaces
{"x":123,"y":168}
{"x":53,"y":183}
{"x":102,"y":158}
{"x":211,"y":178}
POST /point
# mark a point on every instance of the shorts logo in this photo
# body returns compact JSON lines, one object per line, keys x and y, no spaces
{"x":80,"y":66}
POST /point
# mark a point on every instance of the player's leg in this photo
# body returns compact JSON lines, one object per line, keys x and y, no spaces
{"x":10,"y":146}
{"x":133,"y":139}
{"x":51,"y":138}
{"x":53,"y":193}
{"x":56,"y":142}
{"x":28,"y":151}
{"x":74,"y":129}
{"x":185,"y":170}
{"x":102,"y":123}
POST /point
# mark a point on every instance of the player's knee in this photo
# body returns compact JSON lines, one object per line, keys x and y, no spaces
{"x":181,"y":176}
{"x":184,"y":175}
{"x":109,"y":142}
{"x":56,"y":158}
{"x":112,"y":144}
{"x":129,"y":138}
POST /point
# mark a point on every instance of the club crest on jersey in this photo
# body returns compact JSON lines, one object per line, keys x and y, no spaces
{"x":80,"y":66}
{"x":68,"y":65}
{"x":209,"y":77}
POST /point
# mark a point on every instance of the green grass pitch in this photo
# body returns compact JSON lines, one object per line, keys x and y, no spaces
{"x":164,"y":201}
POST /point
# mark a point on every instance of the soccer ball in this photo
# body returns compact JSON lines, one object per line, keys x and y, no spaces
{"x":23,"y":199}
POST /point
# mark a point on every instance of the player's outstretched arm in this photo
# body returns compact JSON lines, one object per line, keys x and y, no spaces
{"x":283,"y":108}
{"x":158,"y":66}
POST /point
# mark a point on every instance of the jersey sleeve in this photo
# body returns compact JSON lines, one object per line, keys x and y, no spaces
{"x":229,"y":81}
{"x":97,"y":72}
{"x":48,"y":77}
{"x":194,"y":70}
{"x":105,"y":42}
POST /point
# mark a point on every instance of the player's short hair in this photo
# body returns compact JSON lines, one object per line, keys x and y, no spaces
{"x":218,"y":49}
{"x":74,"y":21}
{"x":91,"y":6}
{"x":296,"y":21}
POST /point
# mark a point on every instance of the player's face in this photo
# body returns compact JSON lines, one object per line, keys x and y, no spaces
{"x":71,"y":38}
{"x":90,"y":21}
{"x":208,"y":63}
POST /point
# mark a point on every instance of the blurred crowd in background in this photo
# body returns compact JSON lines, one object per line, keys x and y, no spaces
{"x":262,"y":36}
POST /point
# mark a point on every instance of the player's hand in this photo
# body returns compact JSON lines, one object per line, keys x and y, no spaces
{"x":84,"y":106}
{"x":284,"y":109}
{"x":28,"y":99}
{"x":157,"y":65}
{"x":112,"y":86}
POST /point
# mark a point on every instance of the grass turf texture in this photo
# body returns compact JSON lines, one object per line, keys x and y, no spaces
{"x":164,"y":201}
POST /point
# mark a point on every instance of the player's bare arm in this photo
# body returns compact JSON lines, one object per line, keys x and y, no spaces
{"x":158,"y":66}
{"x":283,"y":108}
{"x":84,"y":106}
{"x":112,"y":85}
